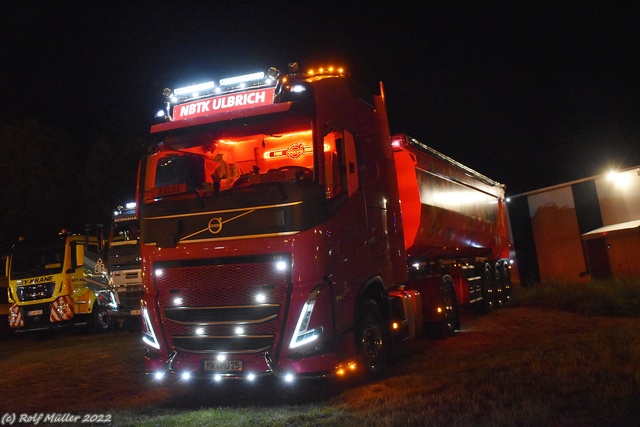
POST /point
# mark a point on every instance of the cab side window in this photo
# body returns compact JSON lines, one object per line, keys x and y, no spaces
{"x":340,"y":164}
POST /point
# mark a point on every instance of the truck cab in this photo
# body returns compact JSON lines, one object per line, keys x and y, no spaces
{"x":58,"y":283}
{"x":123,"y":264}
{"x":279,"y":221}
{"x":270,"y":228}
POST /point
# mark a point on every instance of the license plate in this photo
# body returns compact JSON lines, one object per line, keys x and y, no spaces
{"x":225,"y":365}
{"x":34,"y":313}
{"x":135,"y":312}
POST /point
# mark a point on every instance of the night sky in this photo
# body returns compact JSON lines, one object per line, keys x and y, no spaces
{"x":531,"y":95}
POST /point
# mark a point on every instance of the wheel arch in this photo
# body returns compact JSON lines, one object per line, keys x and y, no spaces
{"x":373,"y":289}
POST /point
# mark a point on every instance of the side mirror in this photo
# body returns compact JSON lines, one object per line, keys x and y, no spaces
{"x":79,"y":255}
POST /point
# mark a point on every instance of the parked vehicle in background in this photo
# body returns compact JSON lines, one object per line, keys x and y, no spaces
{"x":123,"y":264}
{"x":4,"y":296}
{"x":58,"y":283}
{"x":279,"y":221}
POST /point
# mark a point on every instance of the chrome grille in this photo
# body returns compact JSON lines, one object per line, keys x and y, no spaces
{"x":221,"y":315}
{"x":35,"y":292}
{"x":247,"y":344}
{"x":203,"y":303}
{"x":130,"y":296}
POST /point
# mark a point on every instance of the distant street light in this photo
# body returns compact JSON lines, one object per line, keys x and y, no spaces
{"x":620,"y":179}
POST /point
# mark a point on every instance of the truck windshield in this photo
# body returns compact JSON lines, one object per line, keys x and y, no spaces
{"x":124,"y":240}
{"x":221,"y":159}
{"x":30,"y":262}
{"x":124,"y":233}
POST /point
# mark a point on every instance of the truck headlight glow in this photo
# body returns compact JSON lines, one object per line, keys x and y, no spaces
{"x":62,"y":308}
{"x":148,"y":335}
{"x":302,"y":334}
{"x":14,"y":314}
{"x":113,"y":301}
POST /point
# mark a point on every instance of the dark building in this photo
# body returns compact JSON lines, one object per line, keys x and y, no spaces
{"x":589,"y":228}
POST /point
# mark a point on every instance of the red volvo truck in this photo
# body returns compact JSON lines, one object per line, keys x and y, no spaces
{"x":285,"y":232}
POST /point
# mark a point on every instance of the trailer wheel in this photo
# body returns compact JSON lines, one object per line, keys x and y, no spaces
{"x":499,"y":297}
{"x":371,"y":339}
{"x":488,"y":291}
{"x":506,"y":278}
{"x":99,"y":321}
{"x":450,"y":320}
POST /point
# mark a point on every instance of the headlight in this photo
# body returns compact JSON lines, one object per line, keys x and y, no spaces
{"x":302,"y":334}
{"x":148,"y":335}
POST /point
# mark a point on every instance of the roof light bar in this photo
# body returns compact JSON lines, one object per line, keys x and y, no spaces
{"x":186,"y":90}
{"x":242,"y":79}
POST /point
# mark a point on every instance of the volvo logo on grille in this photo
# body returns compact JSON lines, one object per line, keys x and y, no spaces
{"x":215,"y":225}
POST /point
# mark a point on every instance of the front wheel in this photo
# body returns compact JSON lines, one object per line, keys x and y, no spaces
{"x":371,"y":339}
{"x":99,"y":321}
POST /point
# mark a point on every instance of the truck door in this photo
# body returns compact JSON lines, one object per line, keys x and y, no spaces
{"x":347,"y":253}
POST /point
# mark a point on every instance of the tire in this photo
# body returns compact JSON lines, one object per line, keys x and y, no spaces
{"x":499,"y":297}
{"x":450,"y":320}
{"x":488,"y":303}
{"x":506,"y":277}
{"x":372,"y":339}
{"x":99,"y":320}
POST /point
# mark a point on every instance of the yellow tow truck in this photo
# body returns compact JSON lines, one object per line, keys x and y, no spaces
{"x":59,"y":283}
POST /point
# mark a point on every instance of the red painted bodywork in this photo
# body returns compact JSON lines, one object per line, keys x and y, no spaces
{"x":355,"y":247}
{"x":206,"y":257}
{"x":448,"y":210}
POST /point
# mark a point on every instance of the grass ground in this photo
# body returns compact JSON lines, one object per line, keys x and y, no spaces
{"x":528,"y":364}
